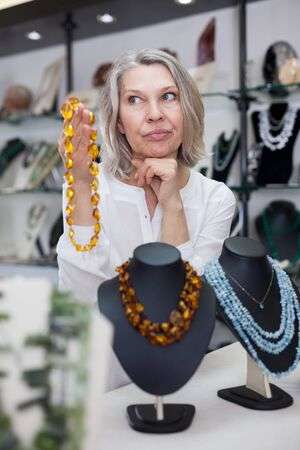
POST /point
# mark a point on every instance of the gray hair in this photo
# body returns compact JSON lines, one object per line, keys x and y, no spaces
{"x":117,"y":151}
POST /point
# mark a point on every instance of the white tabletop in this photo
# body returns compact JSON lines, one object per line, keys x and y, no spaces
{"x":217,"y":424}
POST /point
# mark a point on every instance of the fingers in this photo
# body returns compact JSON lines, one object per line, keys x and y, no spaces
{"x":149,"y":175}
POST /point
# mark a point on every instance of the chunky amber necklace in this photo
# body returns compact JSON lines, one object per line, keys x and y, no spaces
{"x":164,"y":333}
{"x":67,"y":111}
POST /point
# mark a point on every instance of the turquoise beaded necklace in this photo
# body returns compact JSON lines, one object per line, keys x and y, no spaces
{"x":250,"y":332}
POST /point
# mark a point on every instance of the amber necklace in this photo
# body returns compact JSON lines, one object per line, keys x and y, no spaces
{"x":67,"y":111}
{"x":164,"y":333}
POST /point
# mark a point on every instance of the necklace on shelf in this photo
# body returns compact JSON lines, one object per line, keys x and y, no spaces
{"x":180,"y":319}
{"x":250,"y":332}
{"x":269,"y":234}
{"x":223,"y":151}
{"x":260,"y":303}
{"x":286,"y":124}
{"x":67,"y":111}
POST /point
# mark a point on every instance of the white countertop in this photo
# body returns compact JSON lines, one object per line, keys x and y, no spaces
{"x":217,"y":424}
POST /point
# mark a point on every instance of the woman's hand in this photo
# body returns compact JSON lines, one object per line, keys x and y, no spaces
{"x":161,"y":174}
{"x":81,"y":141}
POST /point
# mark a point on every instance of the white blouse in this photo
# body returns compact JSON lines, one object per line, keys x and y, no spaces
{"x":209,"y":207}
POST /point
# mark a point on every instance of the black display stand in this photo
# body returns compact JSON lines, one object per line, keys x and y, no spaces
{"x":246,"y":259}
{"x":176,"y":418}
{"x":248,"y":398}
{"x":157,"y":274}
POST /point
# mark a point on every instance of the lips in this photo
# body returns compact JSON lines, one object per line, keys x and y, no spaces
{"x":157,"y":135}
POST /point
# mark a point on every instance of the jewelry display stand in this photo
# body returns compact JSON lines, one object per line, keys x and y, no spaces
{"x":159,"y":418}
{"x":257,"y":393}
{"x":256,"y":317}
{"x":158,"y":275}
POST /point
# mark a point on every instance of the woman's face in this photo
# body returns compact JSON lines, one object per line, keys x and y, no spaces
{"x":150,"y":113}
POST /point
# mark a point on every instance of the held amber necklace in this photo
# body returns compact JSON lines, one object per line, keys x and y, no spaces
{"x":67,"y":111}
{"x":164,"y":333}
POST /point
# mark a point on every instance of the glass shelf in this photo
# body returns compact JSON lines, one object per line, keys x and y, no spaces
{"x":234,"y":94}
{"x":12,"y":191}
{"x":268,"y":187}
{"x":47,"y":261}
{"x":18,"y":120}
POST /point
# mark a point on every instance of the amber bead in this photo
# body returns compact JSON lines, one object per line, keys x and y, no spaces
{"x":70,"y":221}
{"x":93,"y":136}
{"x":186,"y":314}
{"x":69,"y":147}
{"x":94,"y":240}
{"x":95,"y":199}
{"x":71,"y":234}
{"x":97,"y":227}
{"x":92,"y":118}
{"x":66,"y":111}
{"x":96,"y":214}
{"x":74,"y":102}
{"x":69,"y":163}
{"x":165,"y":326}
{"x":93,"y":151}
{"x":161,"y":339}
{"x":79,"y":247}
{"x":69,"y":178}
{"x":70,"y":193}
{"x":182,"y":305}
{"x":175,"y":318}
{"x":139,"y":307}
{"x":135,"y":319}
{"x":94,"y":184}
{"x":174,"y":330}
{"x":69,"y":210}
{"x":94,"y":169}
{"x":69,"y":131}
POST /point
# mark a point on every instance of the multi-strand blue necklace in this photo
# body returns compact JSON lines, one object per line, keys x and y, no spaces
{"x":272,"y":342}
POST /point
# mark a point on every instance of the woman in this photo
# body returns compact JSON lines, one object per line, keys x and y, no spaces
{"x":152,"y":126}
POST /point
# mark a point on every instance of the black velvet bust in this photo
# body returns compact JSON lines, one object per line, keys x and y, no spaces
{"x":283,"y":219}
{"x":246,"y":260}
{"x":157,"y":274}
{"x":275,"y":166}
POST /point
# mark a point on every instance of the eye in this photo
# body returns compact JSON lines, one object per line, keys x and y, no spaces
{"x":169,"y":96}
{"x":134,"y":99}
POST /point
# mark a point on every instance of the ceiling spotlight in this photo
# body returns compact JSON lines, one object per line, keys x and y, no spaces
{"x":34,"y":36}
{"x":184,"y":2}
{"x":105,"y":18}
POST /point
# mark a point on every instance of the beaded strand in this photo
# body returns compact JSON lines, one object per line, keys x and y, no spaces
{"x":67,"y":111}
{"x":272,"y":342}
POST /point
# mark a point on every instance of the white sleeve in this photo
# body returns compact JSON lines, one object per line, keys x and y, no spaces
{"x":216,"y":228}
{"x":82,"y":273}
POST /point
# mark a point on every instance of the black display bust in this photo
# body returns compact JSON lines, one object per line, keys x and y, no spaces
{"x":275,"y":166}
{"x":283,"y":219}
{"x":157,"y":274}
{"x":246,"y":260}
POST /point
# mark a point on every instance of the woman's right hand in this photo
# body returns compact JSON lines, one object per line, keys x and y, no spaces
{"x":81,"y":141}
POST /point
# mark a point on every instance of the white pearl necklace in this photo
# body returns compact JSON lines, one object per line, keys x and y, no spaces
{"x":279,"y":141}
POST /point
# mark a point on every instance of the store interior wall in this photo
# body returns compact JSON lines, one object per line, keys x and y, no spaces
{"x":268,"y":21}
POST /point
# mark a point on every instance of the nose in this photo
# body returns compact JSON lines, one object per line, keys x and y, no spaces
{"x":154,"y":112}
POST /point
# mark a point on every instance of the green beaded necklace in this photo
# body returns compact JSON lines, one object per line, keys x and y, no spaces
{"x":269,"y":234}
